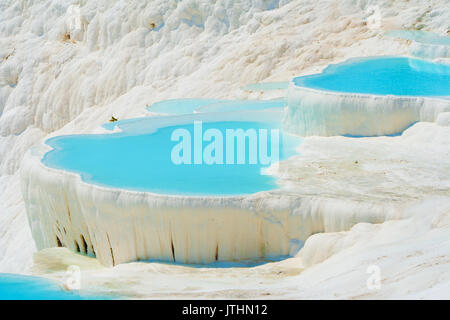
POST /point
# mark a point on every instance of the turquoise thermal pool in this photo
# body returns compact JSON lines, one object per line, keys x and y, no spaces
{"x":382,"y":76}
{"x":230,"y":106}
{"x":266,"y":86}
{"x":18,"y":287}
{"x":421,"y":36}
{"x":188,"y":106}
{"x":180,"y":106}
{"x":144,"y":161}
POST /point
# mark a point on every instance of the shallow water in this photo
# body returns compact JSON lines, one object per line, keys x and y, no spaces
{"x":19,"y":287}
{"x":144,"y":161}
{"x":383,"y":76}
{"x":180,"y":106}
{"x":243,"y":263}
{"x":230,"y":106}
{"x":266,"y":86}
{"x":188,"y":106}
{"x":421,"y":36}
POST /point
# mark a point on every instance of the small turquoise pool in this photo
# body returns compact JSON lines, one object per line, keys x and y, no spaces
{"x":383,"y":76}
{"x":421,"y":36}
{"x":241,"y":105}
{"x":19,"y":287}
{"x":145,"y":161}
{"x":189,"y":106}
{"x":180,"y":106}
{"x":266,"y":86}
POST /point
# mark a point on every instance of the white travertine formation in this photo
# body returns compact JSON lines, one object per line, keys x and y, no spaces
{"x":119,"y":225}
{"x":326,"y":113}
{"x":122,"y":226}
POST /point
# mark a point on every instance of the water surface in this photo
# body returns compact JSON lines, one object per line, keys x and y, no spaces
{"x":241,"y":105}
{"x":19,"y":287}
{"x":266,"y":86}
{"x":383,"y":76}
{"x":421,"y":36}
{"x":143,"y":162}
{"x":180,"y":106}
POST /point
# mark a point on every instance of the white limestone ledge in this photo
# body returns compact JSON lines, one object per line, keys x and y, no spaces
{"x":314,"y":112}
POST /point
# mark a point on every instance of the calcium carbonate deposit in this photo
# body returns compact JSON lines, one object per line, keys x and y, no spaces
{"x":367,"y":194}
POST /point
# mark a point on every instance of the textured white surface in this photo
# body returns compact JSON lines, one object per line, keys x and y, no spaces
{"x":117,"y":65}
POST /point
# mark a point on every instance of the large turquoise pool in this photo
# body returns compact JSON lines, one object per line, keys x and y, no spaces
{"x":383,"y":76}
{"x":144,"y":161}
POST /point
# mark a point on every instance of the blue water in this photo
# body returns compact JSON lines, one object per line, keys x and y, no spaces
{"x":143,"y":162}
{"x":18,"y":287}
{"x":421,"y":36}
{"x":244,"y":263}
{"x":383,"y":76}
{"x":266,"y":86}
{"x":188,"y":106}
{"x":180,"y":106}
{"x":241,"y":105}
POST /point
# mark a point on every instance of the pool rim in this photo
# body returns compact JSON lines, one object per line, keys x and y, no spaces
{"x":40,"y":150}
